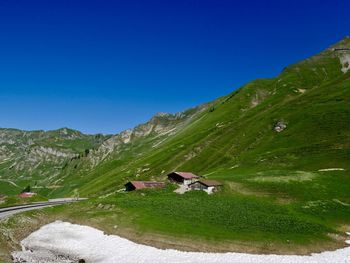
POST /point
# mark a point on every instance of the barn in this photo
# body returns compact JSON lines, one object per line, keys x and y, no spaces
{"x":26,"y":194}
{"x":208,"y":186}
{"x":184,"y":178}
{"x":137,"y":185}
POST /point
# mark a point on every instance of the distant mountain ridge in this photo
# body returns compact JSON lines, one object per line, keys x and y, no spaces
{"x":29,"y":157}
{"x":295,"y":119}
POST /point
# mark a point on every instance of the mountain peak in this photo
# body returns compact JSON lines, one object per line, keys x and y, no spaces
{"x":161,"y":114}
{"x":342,"y":44}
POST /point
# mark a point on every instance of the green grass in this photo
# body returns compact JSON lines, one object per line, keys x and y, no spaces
{"x":279,"y":192}
{"x":230,"y":217}
{"x":234,"y":141}
{"x":7,"y":188}
{"x":14,"y":200}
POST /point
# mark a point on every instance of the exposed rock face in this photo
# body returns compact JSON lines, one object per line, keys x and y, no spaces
{"x":49,"y":156}
{"x":258,"y":97}
{"x":158,"y":128}
{"x":43,"y":154}
{"x":280,"y":126}
{"x":342,"y":51}
{"x":126,"y":135}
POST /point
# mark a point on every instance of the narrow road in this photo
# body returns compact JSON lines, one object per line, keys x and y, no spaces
{"x":8,"y":211}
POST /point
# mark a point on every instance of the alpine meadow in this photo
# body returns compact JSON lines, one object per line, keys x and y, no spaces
{"x":279,"y":146}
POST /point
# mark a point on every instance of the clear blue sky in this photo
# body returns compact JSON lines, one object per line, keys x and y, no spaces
{"x":104,"y":66}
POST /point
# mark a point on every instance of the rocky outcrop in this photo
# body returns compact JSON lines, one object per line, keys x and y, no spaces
{"x":52,"y":155}
{"x":40,"y":153}
{"x":342,"y":51}
{"x":280,"y":126}
{"x":157,"y":129}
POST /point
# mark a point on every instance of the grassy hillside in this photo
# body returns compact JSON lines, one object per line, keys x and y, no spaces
{"x":275,"y":185}
{"x":281,"y":147}
{"x":37,"y":157}
{"x":236,"y":133}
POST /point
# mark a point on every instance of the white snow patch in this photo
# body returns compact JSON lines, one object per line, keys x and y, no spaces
{"x":66,"y":242}
{"x":345,"y":62}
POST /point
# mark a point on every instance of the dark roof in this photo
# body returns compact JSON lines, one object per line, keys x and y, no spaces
{"x":146,"y":184}
{"x":210,"y":182}
{"x":186,"y":175}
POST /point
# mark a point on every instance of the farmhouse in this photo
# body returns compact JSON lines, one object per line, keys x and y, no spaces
{"x":26,"y":194}
{"x":136,"y":185}
{"x":184,"y":178}
{"x":208,"y":186}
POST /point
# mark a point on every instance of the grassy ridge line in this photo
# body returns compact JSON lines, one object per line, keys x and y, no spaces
{"x":235,"y":141}
{"x":274,"y":198}
{"x":24,"y":161}
{"x":244,"y":123}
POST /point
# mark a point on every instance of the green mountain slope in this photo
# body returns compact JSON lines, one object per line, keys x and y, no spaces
{"x":55,"y":163}
{"x":36,"y":157}
{"x":238,"y":132}
{"x":280,"y":146}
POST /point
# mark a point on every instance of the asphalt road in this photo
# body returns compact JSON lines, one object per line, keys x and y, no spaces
{"x":9,"y":211}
